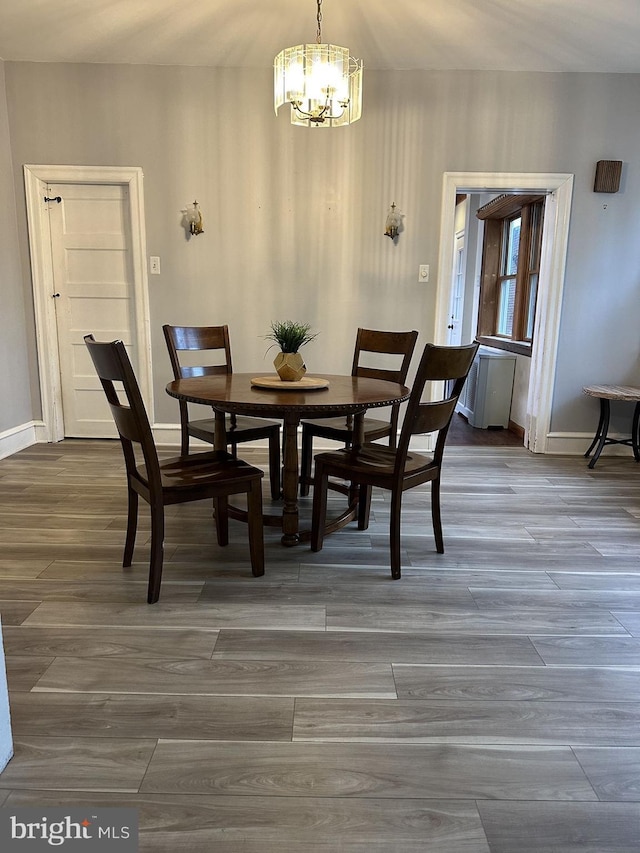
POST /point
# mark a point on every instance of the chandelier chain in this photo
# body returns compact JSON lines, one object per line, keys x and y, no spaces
{"x":319,"y":18}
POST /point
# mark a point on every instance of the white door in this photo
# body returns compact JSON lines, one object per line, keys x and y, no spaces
{"x":454,"y":326}
{"x":93,"y":293}
{"x":98,"y":225}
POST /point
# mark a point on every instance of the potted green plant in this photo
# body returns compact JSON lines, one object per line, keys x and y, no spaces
{"x":290,"y":336}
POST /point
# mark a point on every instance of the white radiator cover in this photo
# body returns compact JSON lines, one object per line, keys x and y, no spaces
{"x":486,"y":397}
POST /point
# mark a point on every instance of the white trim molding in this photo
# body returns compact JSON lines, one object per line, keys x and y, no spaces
{"x":168,"y":435}
{"x":559,"y":188}
{"x":576,"y":444}
{"x":18,"y":438}
{"x":36,"y":178}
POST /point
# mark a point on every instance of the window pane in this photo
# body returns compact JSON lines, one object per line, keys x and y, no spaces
{"x":512,"y":247}
{"x":506,"y":304}
{"x":531,"y":309}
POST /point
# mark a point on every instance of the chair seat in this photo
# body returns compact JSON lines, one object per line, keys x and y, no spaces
{"x":336,"y":428}
{"x":203,"y":469}
{"x":374,"y":463}
{"x":245,"y":429}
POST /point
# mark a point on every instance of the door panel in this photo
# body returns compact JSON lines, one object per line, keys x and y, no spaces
{"x":92,"y":270}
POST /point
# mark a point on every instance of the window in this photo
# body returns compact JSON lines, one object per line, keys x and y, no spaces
{"x":510,"y":270}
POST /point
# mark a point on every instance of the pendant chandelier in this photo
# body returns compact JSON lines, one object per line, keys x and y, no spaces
{"x":322,"y":82}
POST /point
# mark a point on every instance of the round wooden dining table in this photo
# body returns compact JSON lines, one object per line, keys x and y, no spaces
{"x":235,"y":394}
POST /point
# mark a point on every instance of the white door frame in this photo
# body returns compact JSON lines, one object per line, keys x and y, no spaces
{"x":551,"y":283}
{"x":36,"y":178}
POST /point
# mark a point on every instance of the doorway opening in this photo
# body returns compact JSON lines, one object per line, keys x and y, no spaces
{"x":557,"y":189}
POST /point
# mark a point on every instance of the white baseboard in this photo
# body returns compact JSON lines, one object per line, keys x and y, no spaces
{"x":18,"y":438}
{"x":168,"y":435}
{"x":577,"y":443}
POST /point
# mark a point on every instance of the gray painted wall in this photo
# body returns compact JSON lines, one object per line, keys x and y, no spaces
{"x":15,"y":373}
{"x":294,"y":218}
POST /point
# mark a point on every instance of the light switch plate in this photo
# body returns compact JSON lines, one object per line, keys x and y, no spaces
{"x":423,"y":273}
{"x":154,"y":265}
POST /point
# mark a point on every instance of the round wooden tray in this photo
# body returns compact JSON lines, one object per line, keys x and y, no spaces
{"x":274,"y":383}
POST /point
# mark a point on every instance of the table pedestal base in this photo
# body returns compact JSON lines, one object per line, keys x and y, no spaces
{"x":300,"y":536}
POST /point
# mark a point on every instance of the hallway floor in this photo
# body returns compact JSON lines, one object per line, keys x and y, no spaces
{"x":462,"y":434}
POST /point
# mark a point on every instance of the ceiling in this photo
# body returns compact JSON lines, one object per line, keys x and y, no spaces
{"x":530,"y":35}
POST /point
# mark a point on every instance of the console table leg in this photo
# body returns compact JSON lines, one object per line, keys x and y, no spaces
{"x":603,"y":429}
{"x":596,"y":437}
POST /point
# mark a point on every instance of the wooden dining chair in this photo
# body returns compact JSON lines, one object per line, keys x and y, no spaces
{"x":399,"y":469}
{"x":214,"y":474}
{"x":368,"y":341}
{"x":239,"y":429}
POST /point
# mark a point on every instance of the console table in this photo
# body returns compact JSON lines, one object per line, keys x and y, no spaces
{"x":606,"y":393}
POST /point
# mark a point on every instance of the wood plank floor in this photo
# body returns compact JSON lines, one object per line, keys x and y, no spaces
{"x":487,"y":702}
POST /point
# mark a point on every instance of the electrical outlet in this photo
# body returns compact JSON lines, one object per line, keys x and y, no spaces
{"x":423,"y":273}
{"x":154,"y":265}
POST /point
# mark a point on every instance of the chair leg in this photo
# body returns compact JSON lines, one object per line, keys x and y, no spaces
{"x":221,"y":516}
{"x":364,"y":507}
{"x":435,"y":515}
{"x":184,"y":440}
{"x":157,"y":552}
{"x":274,"y":464}
{"x":256,"y":532}
{"x":319,"y":511}
{"x":306,"y":459}
{"x":132,"y":526}
{"x":635,"y":433}
{"x":394,"y":533}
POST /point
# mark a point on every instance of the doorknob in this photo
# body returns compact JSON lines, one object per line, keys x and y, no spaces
{"x":54,"y":295}
{"x":450,"y":326}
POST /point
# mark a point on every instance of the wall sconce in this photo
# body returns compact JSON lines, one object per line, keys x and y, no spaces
{"x":193,"y":219}
{"x":393,"y":225}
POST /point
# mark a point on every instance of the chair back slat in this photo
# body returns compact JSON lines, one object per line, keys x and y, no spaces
{"x":127,"y":424}
{"x":432,"y":417}
{"x":447,"y":363}
{"x":187,"y":371}
{"x":379,"y":373}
